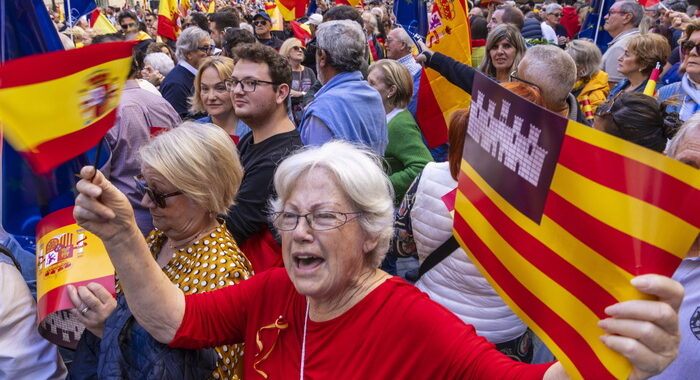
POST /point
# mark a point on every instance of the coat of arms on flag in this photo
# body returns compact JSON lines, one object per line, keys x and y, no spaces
{"x":559,"y":218}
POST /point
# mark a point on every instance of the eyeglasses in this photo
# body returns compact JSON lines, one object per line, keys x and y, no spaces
{"x":129,"y":25}
{"x":317,"y":220}
{"x":687,"y":46}
{"x":297,"y":48}
{"x":617,"y":12}
{"x":556,"y":14}
{"x":156,"y":196}
{"x":248,"y":85}
{"x":206,"y":49}
{"x":514,"y":77}
{"x":259,"y":22}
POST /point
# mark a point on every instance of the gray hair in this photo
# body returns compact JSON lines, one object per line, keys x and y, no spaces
{"x":344,"y":41}
{"x":689,"y":125}
{"x":553,"y":70}
{"x":551,"y":8}
{"x":633,"y":7}
{"x":405,"y":38}
{"x":359,"y":174}
{"x":189,"y":41}
{"x":159,"y":61}
{"x":587,"y":57}
{"x":194,"y":154}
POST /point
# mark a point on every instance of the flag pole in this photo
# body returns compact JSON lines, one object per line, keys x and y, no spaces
{"x":597,"y":28}
{"x":3,"y":12}
{"x":69,"y":11}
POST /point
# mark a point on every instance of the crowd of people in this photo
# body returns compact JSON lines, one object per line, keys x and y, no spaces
{"x":262,"y":185}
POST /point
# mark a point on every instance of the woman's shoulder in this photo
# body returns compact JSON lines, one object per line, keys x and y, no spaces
{"x":670,"y":90}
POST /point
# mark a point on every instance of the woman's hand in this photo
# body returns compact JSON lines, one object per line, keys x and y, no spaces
{"x":646,"y":332}
{"x":101,"y":208}
{"x":643,"y":331}
{"x":93,"y":305}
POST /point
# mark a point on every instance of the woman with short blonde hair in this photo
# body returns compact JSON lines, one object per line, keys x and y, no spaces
{"x":641,"y":55}
{"x":302,"y":77}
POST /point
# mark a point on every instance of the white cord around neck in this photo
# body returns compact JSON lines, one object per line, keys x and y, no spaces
{"x":303,"y":343}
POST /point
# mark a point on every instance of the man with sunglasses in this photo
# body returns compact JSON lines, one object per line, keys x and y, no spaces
{"x":130,"y":29}
{"x":192,"y":46}
{"x":622,"y":22}
{"x":263,"y":25}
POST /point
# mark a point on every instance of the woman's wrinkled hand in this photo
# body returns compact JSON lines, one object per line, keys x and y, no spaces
{"x":93,"y":305}
{"x":101,"y":208}
{"x":645,"y":331}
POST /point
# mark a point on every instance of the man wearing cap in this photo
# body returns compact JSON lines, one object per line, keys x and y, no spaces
{"x":263,"y":24}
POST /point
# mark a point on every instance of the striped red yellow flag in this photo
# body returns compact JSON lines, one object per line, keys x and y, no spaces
{"x":168,"y":13}
{"x":559,"y":217}
{"x":448,"y":33}
{"x":58,"y":105}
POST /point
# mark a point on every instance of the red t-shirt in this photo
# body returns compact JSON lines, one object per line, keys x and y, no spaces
{"x":395,"y":332}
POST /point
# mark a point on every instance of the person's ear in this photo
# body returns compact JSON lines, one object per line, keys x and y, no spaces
{"x":282,"y":93}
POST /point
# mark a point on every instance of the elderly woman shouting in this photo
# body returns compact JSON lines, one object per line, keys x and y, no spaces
{"x":190,"y":247}
{"x":330,"y":313}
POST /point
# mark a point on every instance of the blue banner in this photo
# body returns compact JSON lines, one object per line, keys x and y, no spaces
{"x":594,"y":23}
{"x":77,"y":9}
{"x":412,"y":15}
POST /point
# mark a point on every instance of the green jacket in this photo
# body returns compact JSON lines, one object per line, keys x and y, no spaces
{"x":406,"y":154}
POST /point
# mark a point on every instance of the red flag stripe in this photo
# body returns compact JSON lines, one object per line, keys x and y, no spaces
{"x":429,"y":114}
{"x":609,"y":242}
{"x":32,"y":69}
{"x":55,"y":220}
{"x":568,"y":339}
{"x":57,"y":299}
{"x":54,"y":152}
{"x":538,"y":254}
{"x":586,"y":159}
{"x":167,"y":27}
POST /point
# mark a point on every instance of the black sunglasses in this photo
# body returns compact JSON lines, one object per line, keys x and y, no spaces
{"x":687,"y":46}
{"x":259,"y":22}
{"x":156,"y":196}
{"x":127,"y":26}
{"x":206,"y":49}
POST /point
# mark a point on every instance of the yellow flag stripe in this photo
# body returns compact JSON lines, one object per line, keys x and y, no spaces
{"x":620,"y":211}
{"x":606,"y":141}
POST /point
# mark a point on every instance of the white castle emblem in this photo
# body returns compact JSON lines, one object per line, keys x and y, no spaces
{"x":519,"y":153}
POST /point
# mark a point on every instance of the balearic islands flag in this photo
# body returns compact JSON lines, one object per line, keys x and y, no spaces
{"x":66,"y":254}
{"x":77,"y":92}
{"x":448,"y":33}
{"x":559,"y":217}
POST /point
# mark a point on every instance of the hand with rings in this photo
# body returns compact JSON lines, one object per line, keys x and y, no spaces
{"x":93,"y":305}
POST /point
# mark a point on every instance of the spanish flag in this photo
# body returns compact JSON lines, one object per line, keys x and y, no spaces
{"x":292,"y":9}
{"x":66,"y":255}
{"x":58,"y":105}
{"x":352,"y":3}
{"x":448,"y":34}
{"x":167,"y":19}
{"x":301,"y":31}
{"x":559,"y":217}
{"x":100,"y":23}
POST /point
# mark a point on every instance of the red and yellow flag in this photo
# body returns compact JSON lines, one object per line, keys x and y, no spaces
{"x":100,"y":23}
{"x":78,"y":92}
{"x":448,"y":33}
{"x":352,"y":3}
{"x":292,"y":9}
{"x":301,"y":31}
{"x":276,"y":18}
{"x":559,"y":217}
{"x":168,"y":14}
{"x":66,"y":255}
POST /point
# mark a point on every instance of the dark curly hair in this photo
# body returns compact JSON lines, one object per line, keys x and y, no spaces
{"x":279,"y":68}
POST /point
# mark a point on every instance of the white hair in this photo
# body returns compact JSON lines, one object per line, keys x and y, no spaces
{"x":345,"y":42}
{"x":159,"y":61}
{"x":405,"y":38}
{"x":551,"y":8}
{"x":248,"y":27}
{"x":689,"y":125}
{"x":552,"y":69}
{"x":189,"y":41}
{"x":359,"y":174}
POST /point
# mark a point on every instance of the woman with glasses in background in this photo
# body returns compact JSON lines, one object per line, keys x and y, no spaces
{"x":552,"y":18}
{"x":192,"y":46}
{"x":302,"y":77}
{"x":190,"y":244}
{"x":212,"y":97}
{"x":641,"y":55}
{"x":684,"y":96}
